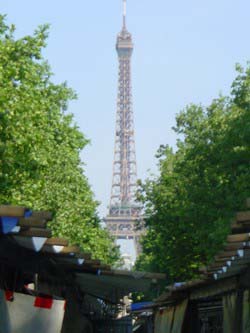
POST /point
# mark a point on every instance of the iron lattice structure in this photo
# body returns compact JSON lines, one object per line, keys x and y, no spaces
{"x":123,"y":209}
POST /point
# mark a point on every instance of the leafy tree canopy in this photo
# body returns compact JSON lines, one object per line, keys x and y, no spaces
{"x":40,"y":145}
{"x":190,"y":204}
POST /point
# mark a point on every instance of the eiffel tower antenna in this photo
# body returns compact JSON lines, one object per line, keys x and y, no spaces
{"x":124,"y":13}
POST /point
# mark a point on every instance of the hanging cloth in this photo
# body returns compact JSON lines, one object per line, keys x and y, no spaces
{"x":163,"y":320}
{"x":246,"y":312}
{"x":232,"y":312}
{"x":170,"y":320}
{"x":179,"y":316}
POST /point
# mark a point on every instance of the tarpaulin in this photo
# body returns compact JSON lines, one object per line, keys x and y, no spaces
{"x":140,"y":306}
{"x":22,"y":313}
{"x":179,"y":315}
{"x":7,"y":224}
{"x":246,"y":312}
{"x":163,"y":320}
{"x":170,"y":320}
{"x":229,"y":313}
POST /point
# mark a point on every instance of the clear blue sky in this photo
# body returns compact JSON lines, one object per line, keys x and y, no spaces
{"x":185,"y":51}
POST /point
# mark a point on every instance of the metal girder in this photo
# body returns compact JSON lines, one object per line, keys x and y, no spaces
{"x":122,"y":201}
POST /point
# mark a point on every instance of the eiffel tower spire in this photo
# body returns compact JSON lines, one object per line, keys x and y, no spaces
{"x":124,"y":13}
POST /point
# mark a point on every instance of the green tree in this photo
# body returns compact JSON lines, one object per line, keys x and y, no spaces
{"x":189,"y":206}
{"x":40,"y":145}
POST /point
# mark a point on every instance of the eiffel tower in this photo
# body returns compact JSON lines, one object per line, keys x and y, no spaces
{"x":124,"y":212}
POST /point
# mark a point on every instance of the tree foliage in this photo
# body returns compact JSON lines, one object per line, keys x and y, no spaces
{"x":190,"y":204}
{"x":40,"y":144}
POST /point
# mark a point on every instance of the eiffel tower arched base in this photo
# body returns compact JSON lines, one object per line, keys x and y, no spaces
{"x":125,"y":227}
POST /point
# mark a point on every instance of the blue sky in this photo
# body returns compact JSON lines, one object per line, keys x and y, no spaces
{"x":185,"y":51}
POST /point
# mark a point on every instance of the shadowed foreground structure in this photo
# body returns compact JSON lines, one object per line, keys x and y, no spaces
{"x":58,"y":271}
{"x":219,"y":301}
